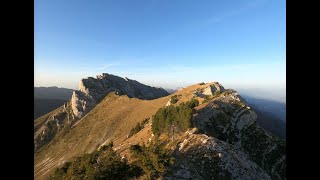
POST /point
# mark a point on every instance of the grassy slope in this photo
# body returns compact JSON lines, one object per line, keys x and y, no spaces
{"x":112,"y":119}
{"x":39,"y":122}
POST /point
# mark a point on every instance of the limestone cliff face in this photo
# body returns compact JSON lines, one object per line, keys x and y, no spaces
{"x":93,"y":90}
{"x":209,"y":90}
{"x":81,"y":103}
{"x":213,"y":88}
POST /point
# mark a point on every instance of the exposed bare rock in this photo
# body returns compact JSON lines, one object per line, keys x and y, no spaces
{"x":213,"y":88}
{"x":81,"y":103}
{"x":93,"y":90}
{"x":230,"y":119}
{"x":210,"y":90}
{"x":168,"y":103}
{"x":225,"y":116}
{"x":202,"y":157}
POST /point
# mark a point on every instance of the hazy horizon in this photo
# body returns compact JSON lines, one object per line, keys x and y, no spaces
{"x":263,"y":92}
{"x":75,"y":85}
{"x":169,"y":44}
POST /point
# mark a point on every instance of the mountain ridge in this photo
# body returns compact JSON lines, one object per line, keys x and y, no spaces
{"x":91,"y":92}
{"x":222,"y":114}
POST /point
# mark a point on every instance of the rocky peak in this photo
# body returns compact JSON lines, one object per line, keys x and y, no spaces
{"x":210,"y":90}
{"x":93,"y":90}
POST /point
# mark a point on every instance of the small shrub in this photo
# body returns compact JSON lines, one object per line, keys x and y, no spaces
{"x":192,"y":103}
{"x":205,"y":101}
{"x":106,"y":147}
{"x":153,"y":159}
{"x":179,"y":117}
{"x":135,"y":130}
{"x":174,"y":99}
{"x":138,"y":127}
{"x":217,"y":93}
{"x":144,"y":122}
{"x":103,"y":164}
{"x":207,"y":97}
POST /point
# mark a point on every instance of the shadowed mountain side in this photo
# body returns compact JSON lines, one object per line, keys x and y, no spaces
{"x":43,"y":106}
{"x":170,"y":91}
{"x":272,"y":124}
{"x":274,"y":108}
{"x":47,"y":99}
{"x":271,"y":114}
{"x":52,"y":93}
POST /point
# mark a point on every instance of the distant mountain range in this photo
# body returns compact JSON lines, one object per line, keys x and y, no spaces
{"x":170,"y":91}
{"x":52,"y":92}
{"x":270,"y":105}
{"x":47,"y":99}
{"x":274,"y":108}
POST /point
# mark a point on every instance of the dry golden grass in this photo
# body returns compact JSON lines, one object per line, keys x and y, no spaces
{"x":111,"y":119}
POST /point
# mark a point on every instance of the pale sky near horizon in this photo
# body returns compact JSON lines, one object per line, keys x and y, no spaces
{"x":167,"y":43}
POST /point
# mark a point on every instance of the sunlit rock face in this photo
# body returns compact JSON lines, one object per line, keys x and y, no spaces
{"x":93,"y":90}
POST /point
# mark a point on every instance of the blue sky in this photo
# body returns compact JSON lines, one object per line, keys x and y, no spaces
{"x":168,"y":43}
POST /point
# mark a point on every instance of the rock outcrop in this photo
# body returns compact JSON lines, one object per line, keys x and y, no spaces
{"x":93,"y":90}
{"x":225,"y":117}
{"x":199,"y":156}
{"x":229,"y":118}
{"x":210,"y":90}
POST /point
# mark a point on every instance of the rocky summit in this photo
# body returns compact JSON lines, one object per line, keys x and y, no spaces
{"x":117,"y":128}
{"x":93,"y":90}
